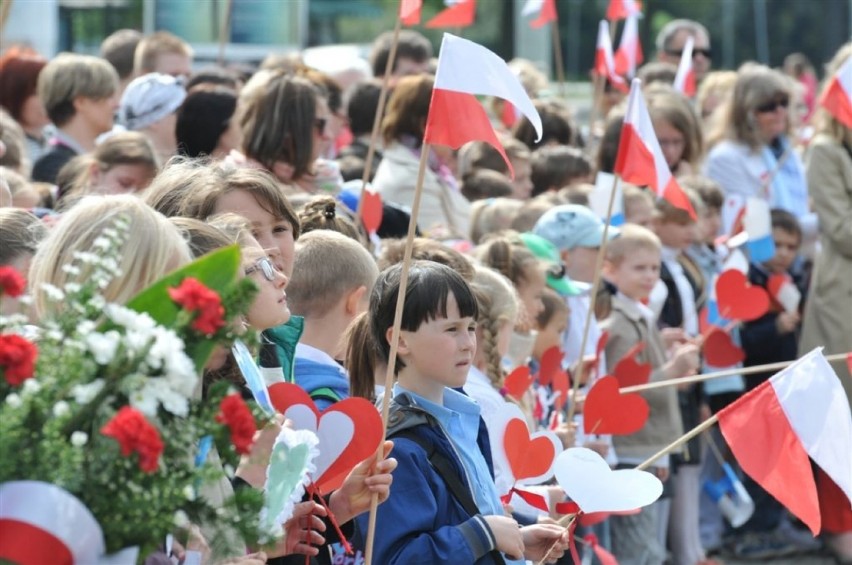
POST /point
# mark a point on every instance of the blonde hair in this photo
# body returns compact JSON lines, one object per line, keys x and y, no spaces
{"x":491,"y":215}
{"x":716,"y":83}
{"x":20,"y":232}
{"x":665,"y":103}
{"x":756,"y":84}
{"x":154,"y":45}
{"x":323,"y":213}
{"x":70,"y":76}
{"x":634,"y":195}
{"x":152,"y":247}
{"x":328,"y":265}
{"x":667,"y":212}
{"x":824,"y":122}
{"x":123,"y":148}
{"x":498,"y":303}
{"x":632,"y":238}
{"x":425,"y":249}
{"x":181,"y":177}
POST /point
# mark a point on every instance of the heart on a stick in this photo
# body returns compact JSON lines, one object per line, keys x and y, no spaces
{"x":349,"y":431}
{"x":560,"y":385}
{"x":517,"y":382}
{"x":551,"y":361}
{"x":720,"y":350}
{"x":587,"y":480}
{"x":530,"y":456}
{"x":607,"y":411}
{"x":629,"y":371}
{"x":738,"y":299}
{"x":371,"y":210}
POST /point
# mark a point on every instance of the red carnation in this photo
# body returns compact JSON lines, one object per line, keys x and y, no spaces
{"x":195,"y":297}
{"x":135,"y":434}
{"x":17,"y":358}
{"x":11,"y":282}
{"x":236,"y":415}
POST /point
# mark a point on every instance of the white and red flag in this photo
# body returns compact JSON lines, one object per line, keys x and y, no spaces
{"x":799,"y":415}
{"x":640,"y":159}
{"x":459,"y":14}
{"x":685,"y":78}
{"x":604,"y":62}
{"x":622,"y":9}
{"x":409,"y":12}
{"x":466,"y":70}
{"x":544,"y":9}
{"x":837,"y":97}
{"x":629,"y":54}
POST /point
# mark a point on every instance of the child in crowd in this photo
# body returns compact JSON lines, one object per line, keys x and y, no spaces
{"x":332,"y":279}
{"x":492,"y":215}
{"x":478,"y":155}
{"x":484,"y":183}
{"x":20,"y":234}
{"x":556,"y":166}
{"x":632,"y":264}
{"x":323,"y":213}
{"x":453,"y":514}
{"x":638,"y":205}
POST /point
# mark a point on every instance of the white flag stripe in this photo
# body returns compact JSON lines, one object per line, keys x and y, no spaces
{"x":844,"y":76}
{"x":464,"y":66}
{"x":812,"y":398}
{"x":684,"y":66}
{"x":605,"y":44}
{"x":638,"y":116}
{"x":532,"y":7}
{"x":630,"y":42}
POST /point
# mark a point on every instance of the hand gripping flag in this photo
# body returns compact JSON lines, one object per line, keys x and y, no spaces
{"x":465,"y":70}
{"x":640,"y":160}
{"x":837,"y":97}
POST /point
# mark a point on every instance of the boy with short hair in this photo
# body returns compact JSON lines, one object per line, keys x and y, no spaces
{"x":557,"y":166}
{"x":163,"y":52}
{"x":331,"y":283}
{"x":632,"y":264}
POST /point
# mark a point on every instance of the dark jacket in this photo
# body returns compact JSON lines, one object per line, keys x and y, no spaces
{"x":422,"y":522}
{"x":49,"y":164}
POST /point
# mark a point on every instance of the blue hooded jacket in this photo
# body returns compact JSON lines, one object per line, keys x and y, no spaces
{"x":422,"y":522}
{"x":326,"y":382}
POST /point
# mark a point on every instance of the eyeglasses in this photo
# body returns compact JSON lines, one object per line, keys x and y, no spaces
{"x":319,"y":123}
{"x":773,"y":105}
{"x":265,"y":266}
{"x":708,"y":53}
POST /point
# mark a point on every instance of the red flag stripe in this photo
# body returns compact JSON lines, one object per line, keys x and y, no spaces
{"x":461,"y":14}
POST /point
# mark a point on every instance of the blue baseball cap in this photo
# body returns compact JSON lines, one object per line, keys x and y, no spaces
{"x":572,"y":225}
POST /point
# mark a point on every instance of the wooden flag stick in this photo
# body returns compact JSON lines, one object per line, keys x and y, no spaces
{"x":726,"y":373}
{"x":377,"y":121}
{"x":557,"y":57}
{"x":225,"y":31}
{"x":566,"y":522}
{"x":596,"y":283}
{"x":707,"y":424}
{"x":598,"y":84}
{"x":394,"y":344}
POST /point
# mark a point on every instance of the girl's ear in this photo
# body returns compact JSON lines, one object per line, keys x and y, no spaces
{"x":403,"y":348}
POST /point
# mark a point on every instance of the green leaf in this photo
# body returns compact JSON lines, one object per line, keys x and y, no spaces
{"x":216,"y":270}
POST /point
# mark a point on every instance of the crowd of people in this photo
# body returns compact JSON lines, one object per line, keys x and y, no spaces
{"x":273,"y":159}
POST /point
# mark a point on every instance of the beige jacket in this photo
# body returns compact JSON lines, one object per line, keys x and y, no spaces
{"x":828,"y":313}
{"x":627,"y":326}
{"x":441,"y":206}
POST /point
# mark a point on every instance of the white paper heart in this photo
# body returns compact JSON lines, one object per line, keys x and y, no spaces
{"x":498,"y":449}
{"x":335,"y":431}
{"x":587,"y":480}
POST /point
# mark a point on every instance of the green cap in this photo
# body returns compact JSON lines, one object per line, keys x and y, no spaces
{"x":556,"y":277}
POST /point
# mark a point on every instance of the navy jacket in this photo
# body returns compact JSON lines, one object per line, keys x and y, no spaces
{"x":422,"y":522}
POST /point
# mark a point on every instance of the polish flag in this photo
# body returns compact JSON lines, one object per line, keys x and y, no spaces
{"x":629,"y":54}
{"x":546,"y":10}
{"x":604,"y":63}
{"x":466,"y":70}
{"x":460,"y":14}
{"x":685,"y":79}
{"x":757,"y":223}
{"x":409,"y":12}
{"x":837,"y":97}
{"x":622,"y":9}
{"x":799,"y":413}
{"x":640,"y":160}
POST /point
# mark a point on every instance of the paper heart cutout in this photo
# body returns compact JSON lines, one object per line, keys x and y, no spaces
{"x":720,"y":350}
{"x":551,"y":361}
{"x":530,"y":456}
{"x":631,"y":372}
{"x":349,"y":431}
{"x":587,"y":480}
{"x":560,"y":385}
{"x":738,"y":299}
{"x":287,"y":474}
{"x":517,"y":382}
{"x":849,"y":362}
{"x":371,"y":210}
{"x":599,"y":349}
{"x":607,"y":411}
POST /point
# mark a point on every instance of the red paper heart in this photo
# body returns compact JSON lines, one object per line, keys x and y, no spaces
{"x":720,"y":351}
{"x":517,"y":382}
{"x":371,"y":211}
{"x":366,"y":435}
{"x":560,"y":385}
{"x":551,"y":361}
{"x":703,"y":321}
{"x":607,"y":411}
{"x":602,"y":341}
{"x":738,"y":299}
{"x":528,"y":456}
{"x":849,"y":362}
{"x":629,"y":371}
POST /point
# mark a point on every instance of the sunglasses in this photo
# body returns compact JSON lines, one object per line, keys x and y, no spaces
{"x":708,"y":53}
{"x":320,"y":123}
{"x":264,"y":265}
{"x":773,"y":105}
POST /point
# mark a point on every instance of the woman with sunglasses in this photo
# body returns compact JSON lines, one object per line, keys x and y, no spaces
{"x":751,"y":152}
{"x":284,"y":124}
